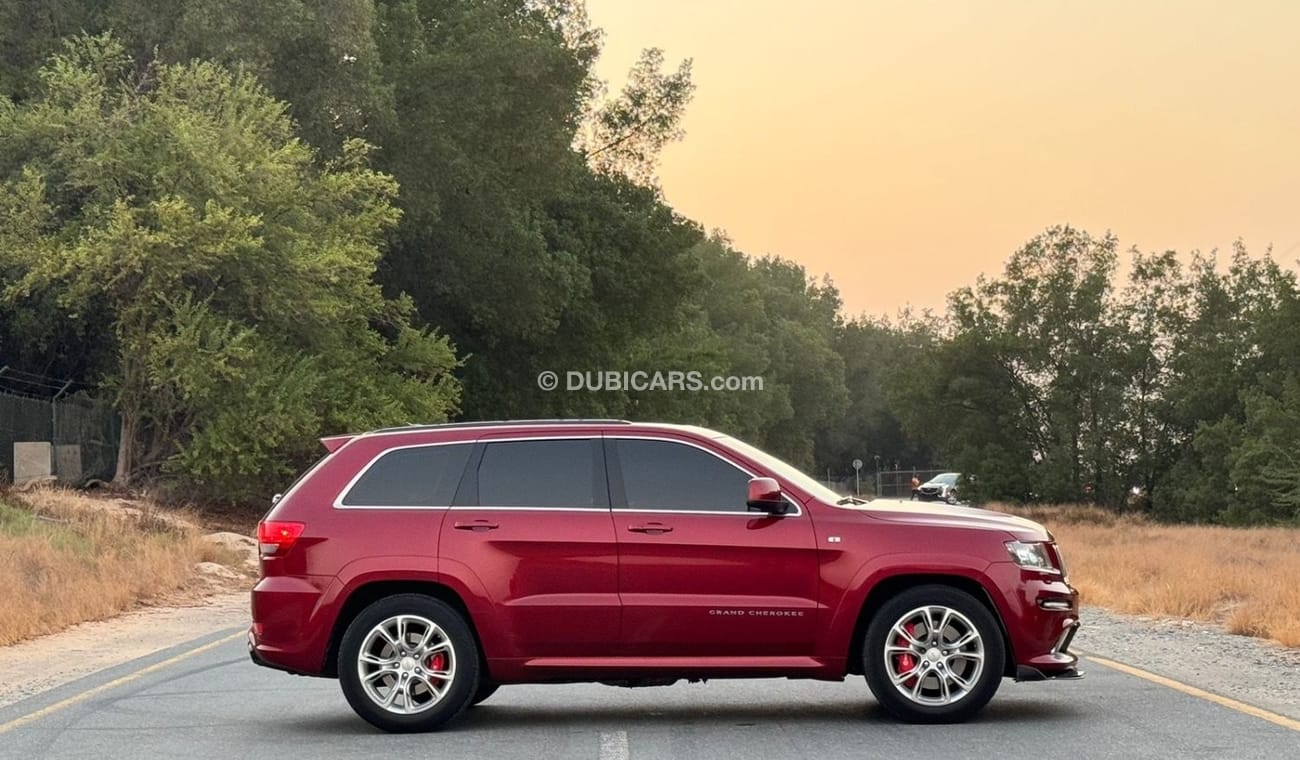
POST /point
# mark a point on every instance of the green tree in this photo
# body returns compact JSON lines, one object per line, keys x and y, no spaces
{"x":764,"y":317}
{"x":233,"y":273}
{"x":879,"y":360}
{"x":1027,"y":393}
{"x":625,"y":134}
{"x":319,"y":56}
{"x":1238,"y":343}
{"x":1153,"y":311}
{"x":1265,"y":465}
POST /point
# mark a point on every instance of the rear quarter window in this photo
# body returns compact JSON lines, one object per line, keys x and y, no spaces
{"x":418,"y":476}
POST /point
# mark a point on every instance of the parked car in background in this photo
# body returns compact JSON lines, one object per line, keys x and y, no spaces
{"x":942,"y":487}
{"x":426,"y":566}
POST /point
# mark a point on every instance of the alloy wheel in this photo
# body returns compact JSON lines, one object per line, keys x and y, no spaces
{"x":934,"y":655}
{"x":406,"y":664}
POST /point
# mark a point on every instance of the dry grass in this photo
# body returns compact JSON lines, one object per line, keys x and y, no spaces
{"x":1248,"y":579}
{"x":66,"y":558}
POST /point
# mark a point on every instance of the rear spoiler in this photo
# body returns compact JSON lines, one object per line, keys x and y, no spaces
{"x":333,"y":443}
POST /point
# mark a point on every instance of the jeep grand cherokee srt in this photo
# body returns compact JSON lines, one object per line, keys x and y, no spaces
{"x":425,"y":566}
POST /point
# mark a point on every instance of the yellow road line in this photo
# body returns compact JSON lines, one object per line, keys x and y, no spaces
{"x":1217,"y":699}
{"x":116,"y":682}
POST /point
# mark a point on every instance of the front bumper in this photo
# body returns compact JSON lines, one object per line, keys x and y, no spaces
{"x":1025,"y":673}
{"x":1060,"y":654}
{"x":1041,"y":616}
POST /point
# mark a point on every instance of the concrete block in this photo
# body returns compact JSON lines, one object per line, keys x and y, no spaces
{"x":32,"y":460}
{"x":67,"y":463}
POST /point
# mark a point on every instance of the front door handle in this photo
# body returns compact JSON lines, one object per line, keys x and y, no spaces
{"x":476,"y":525}
{"x":653,"y":528}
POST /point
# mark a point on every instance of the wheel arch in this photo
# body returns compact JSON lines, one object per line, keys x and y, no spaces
{"x":891,"y":586}
{"x":369,"y":593}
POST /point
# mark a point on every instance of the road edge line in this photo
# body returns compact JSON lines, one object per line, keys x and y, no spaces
{"x":1209,"y":696}
{"x":31,"y":717}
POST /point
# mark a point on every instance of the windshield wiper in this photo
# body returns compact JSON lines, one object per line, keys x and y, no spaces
{"x":850,"y":500}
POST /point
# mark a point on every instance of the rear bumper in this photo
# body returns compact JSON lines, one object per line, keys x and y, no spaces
{"x":289,"y":631}
{"x":260,"y":661}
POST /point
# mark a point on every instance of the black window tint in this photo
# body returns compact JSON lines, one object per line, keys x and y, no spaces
{"x":665,"y":475}
{"x":539,"y":474}
{"x":425,"y":476}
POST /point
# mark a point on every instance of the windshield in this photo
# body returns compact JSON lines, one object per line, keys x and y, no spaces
{"x":783,"y":470}
{"x":946,"y":479}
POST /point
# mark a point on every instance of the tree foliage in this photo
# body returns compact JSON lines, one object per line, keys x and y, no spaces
{"x":625,"y":134}
{"x":254,"y":223}
{"x":230,"y":274}
{"x":1172,"y":393}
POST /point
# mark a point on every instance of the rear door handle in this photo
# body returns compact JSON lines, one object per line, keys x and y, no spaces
{"x":653,"y":528}
{"x":476,"y":525}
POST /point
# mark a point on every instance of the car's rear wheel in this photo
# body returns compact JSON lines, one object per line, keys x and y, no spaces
{"x":408,"y":663}
{"x":933,"y":654}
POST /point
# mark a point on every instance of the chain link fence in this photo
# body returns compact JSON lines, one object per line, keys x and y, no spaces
{"x":82,"y":432}
{"x":886,"y":484}
{"x":897,"y":484}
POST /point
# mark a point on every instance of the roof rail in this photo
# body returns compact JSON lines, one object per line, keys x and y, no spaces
{"x":499,"y":423}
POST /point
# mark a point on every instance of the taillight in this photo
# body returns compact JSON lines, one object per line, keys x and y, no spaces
{"x":276,"y":538}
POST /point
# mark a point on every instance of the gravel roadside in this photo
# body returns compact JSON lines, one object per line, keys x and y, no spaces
{"x":31,"y":667}
{"x":1203,"y":655}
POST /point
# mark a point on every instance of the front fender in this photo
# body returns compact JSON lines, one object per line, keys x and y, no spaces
{"x":847,"y":598}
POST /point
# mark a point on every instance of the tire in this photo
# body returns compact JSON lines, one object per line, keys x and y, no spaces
{"x":950,"y":680}
{"x":407,"y":639}
{"x":486,"y":689}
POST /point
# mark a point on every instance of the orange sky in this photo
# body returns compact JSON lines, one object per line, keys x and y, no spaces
{"x":904,"y":147}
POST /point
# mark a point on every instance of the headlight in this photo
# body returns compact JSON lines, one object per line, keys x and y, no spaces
{"x":1031,"y":555}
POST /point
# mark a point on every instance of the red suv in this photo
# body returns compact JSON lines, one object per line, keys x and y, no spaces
{"x":425,"y":566}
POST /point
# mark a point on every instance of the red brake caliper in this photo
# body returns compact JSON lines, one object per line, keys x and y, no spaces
{"x":906,"y":661}
{"x":437,"y":663}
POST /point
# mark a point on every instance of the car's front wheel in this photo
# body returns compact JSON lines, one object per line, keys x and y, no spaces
{"x":933,"y":654}
{"x":408,"y":663}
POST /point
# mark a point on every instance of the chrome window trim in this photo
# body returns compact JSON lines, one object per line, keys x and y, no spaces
{"x":338,"y":500}
{"x":797,"y":512}
{"x":603,"y":510}
{"x":798,"y":508}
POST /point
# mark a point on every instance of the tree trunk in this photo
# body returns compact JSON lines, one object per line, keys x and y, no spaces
{"x":125,"y":450}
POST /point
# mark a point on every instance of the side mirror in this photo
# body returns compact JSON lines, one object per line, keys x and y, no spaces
{"x":765,"y":496}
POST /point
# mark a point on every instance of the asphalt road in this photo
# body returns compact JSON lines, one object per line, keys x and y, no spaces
{"x":216,"y":704}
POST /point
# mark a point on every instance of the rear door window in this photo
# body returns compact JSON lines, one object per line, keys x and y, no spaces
{"x":419,"y":476}
{"x":563,"y":473}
